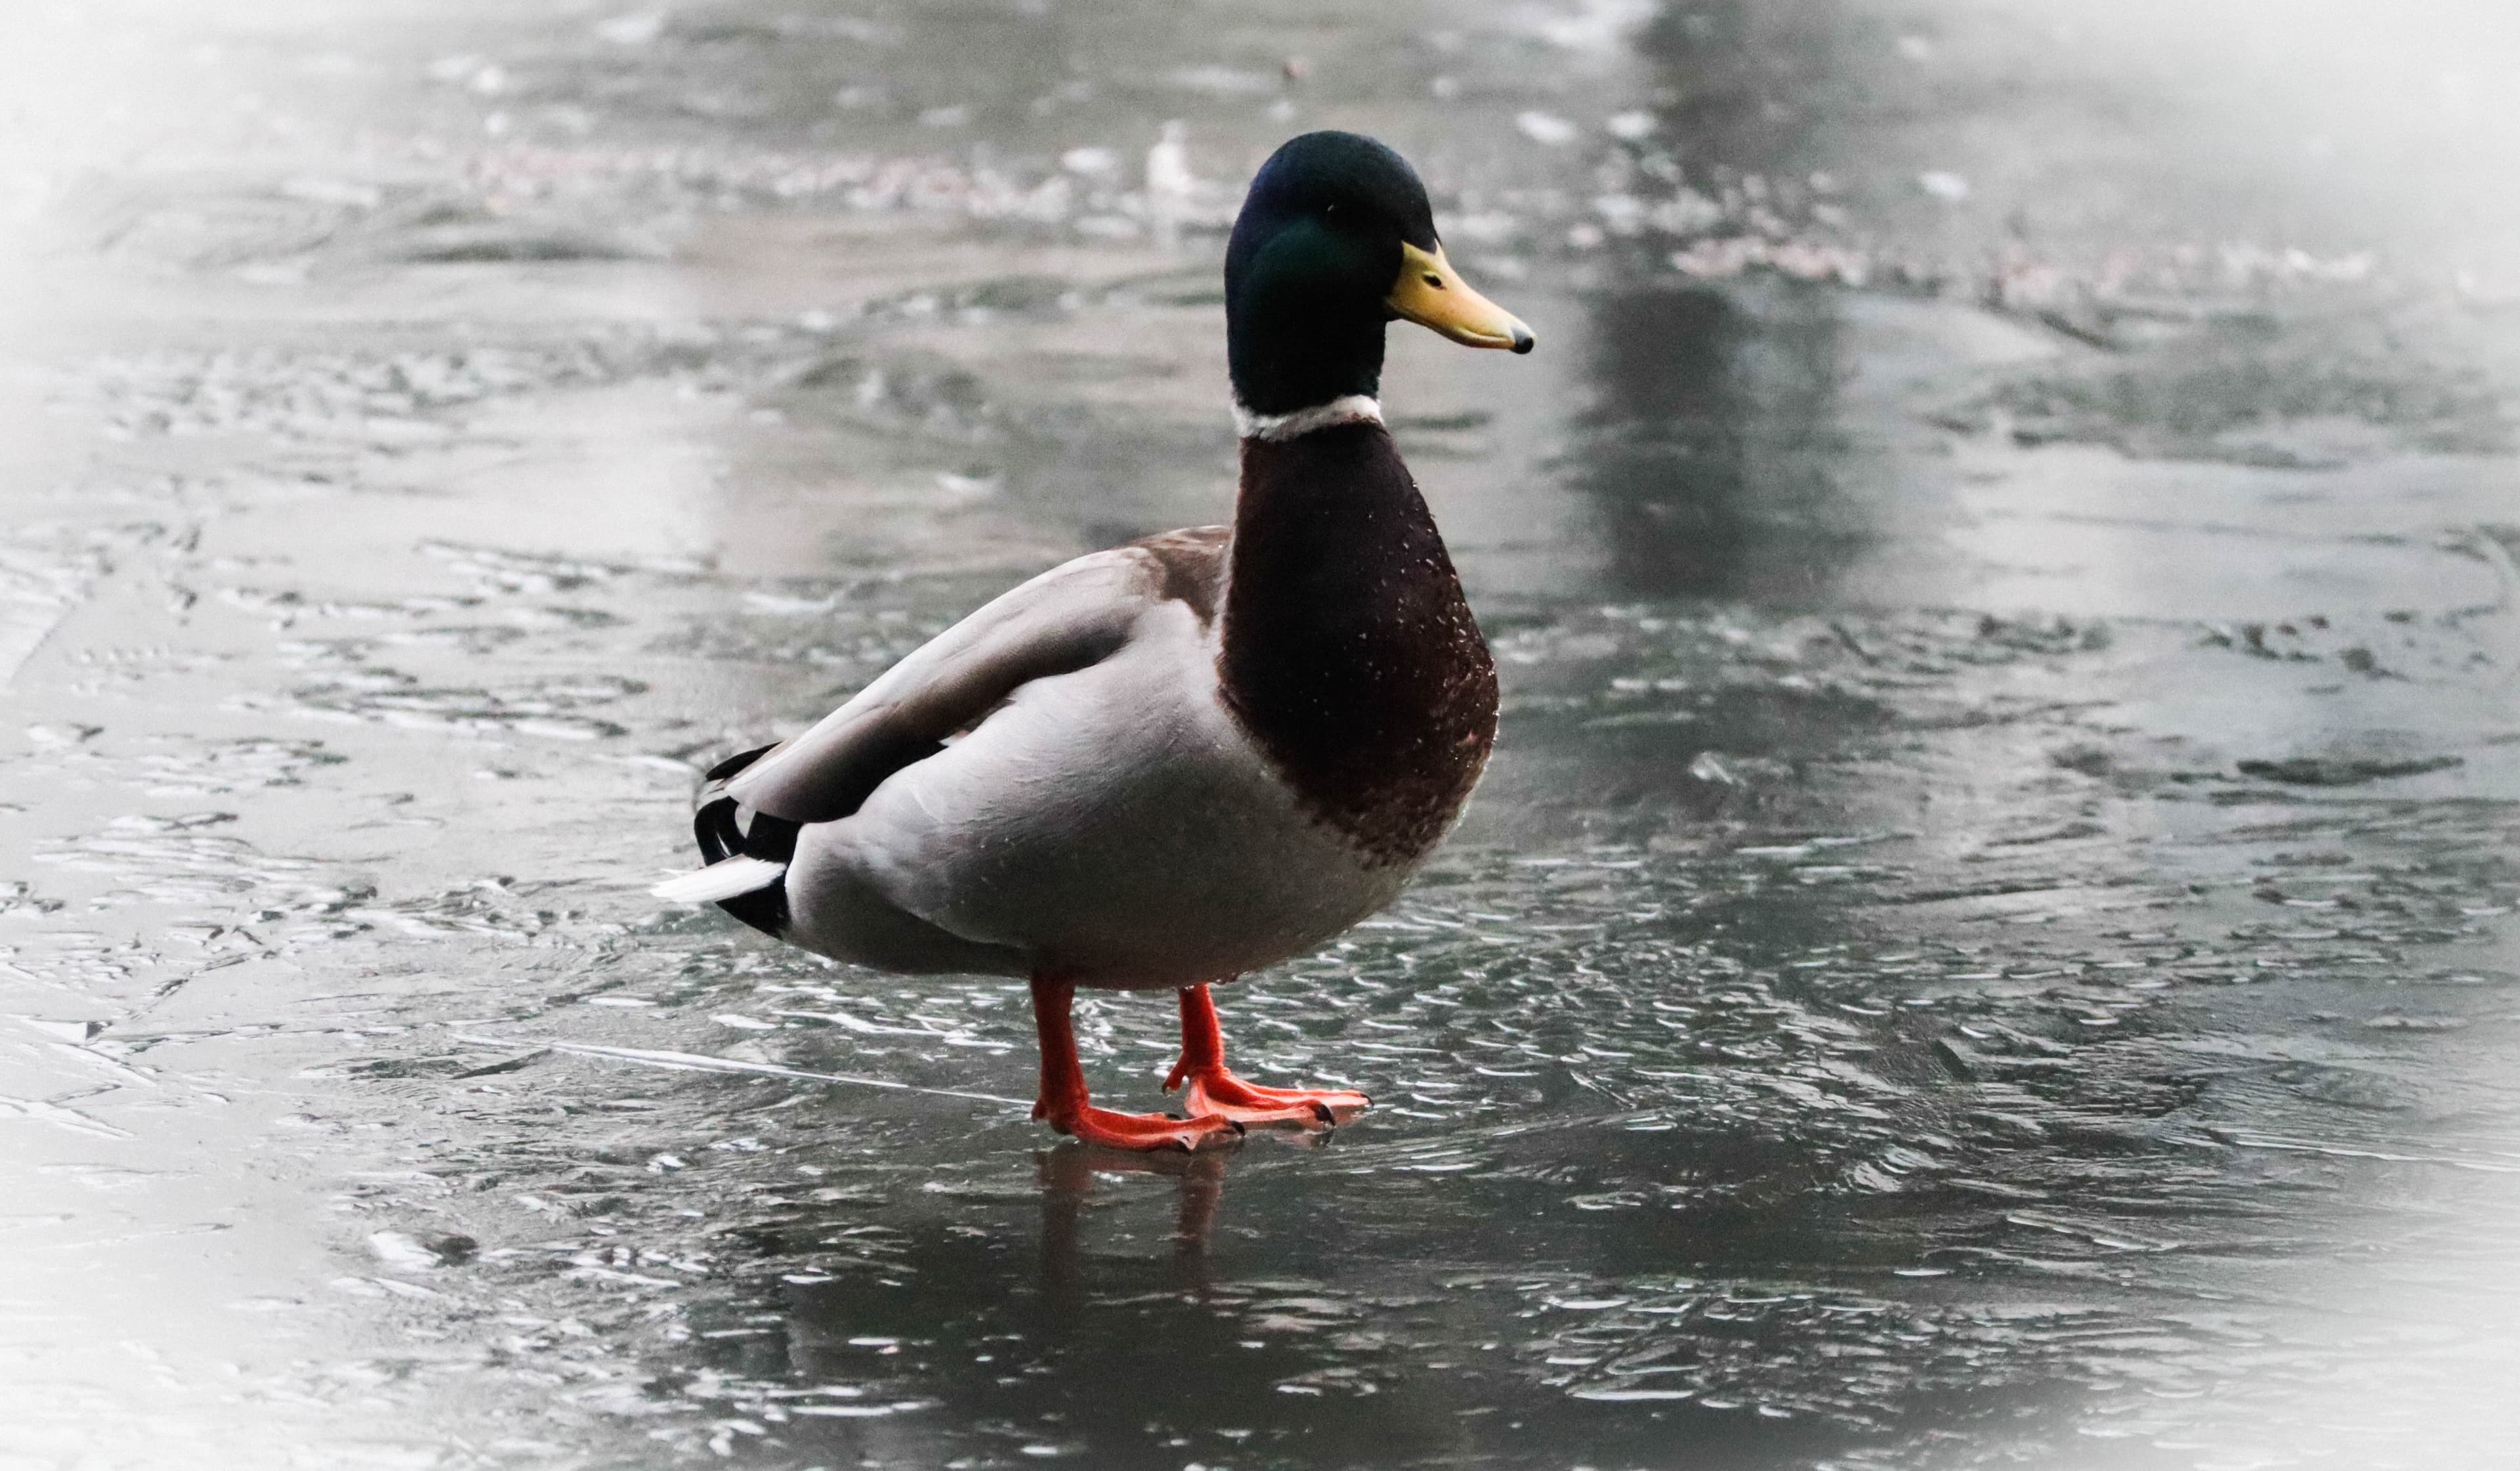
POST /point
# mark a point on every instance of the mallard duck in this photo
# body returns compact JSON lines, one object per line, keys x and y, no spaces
{"x":1169,"y":763}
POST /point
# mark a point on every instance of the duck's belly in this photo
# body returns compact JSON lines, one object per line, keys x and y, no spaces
{"x":1112,"y":825}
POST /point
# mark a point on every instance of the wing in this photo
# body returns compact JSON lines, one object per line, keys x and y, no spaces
{"x":1074,"y":615}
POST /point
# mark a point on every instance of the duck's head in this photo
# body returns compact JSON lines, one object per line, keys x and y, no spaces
{"x":1335,"y":239}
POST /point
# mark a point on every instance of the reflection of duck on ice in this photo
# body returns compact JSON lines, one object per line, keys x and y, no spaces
{"x":1068,"y":1178}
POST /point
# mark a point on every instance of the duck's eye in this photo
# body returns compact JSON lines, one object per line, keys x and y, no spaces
{"x":1433,"y":280}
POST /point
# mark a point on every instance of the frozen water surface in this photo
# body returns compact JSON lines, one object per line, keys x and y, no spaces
{"x":1988,"y":940}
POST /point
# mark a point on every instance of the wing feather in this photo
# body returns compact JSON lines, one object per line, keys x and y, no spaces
{"x":1074,"y":615}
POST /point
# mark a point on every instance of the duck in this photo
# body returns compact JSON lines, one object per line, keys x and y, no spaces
{"x":1167,"y":765}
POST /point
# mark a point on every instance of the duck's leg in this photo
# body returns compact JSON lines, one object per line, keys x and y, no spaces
{"x":1213,"y":1090}
{"x":1063,"y":1103}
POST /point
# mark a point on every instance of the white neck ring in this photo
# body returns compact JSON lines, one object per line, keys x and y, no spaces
{"x":1354,"y":408}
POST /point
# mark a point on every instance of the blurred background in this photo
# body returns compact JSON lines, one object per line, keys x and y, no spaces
{"x":1988,"y":940}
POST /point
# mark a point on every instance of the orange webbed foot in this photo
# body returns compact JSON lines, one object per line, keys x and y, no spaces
{"x":1065,"y":1105}
{"x":1203,"y":1129}
{"x":1216,"y":1091}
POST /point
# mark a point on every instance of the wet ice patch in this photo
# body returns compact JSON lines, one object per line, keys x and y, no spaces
{"x":1547,"y":128}
{"x":2259,"y":389}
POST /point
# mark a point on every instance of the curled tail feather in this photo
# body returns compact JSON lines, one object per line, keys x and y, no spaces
{"x":748,"y":863}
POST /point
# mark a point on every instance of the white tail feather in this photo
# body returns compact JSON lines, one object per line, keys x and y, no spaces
{"x":720,"y":881}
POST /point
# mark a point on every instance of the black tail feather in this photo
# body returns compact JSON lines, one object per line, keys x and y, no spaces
{"x":716,"y":824}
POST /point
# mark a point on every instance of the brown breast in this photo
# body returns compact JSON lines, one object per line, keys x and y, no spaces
{"x":1350,"y":654}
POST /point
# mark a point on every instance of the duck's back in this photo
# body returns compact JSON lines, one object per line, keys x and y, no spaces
{"x":1114,"y":825}
{"x":1285,"y":734}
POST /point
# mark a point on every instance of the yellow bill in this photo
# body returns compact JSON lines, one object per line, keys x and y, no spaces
{"x":1431,"y":293}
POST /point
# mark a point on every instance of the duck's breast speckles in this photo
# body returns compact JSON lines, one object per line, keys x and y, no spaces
{"x":1350,"y":653}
